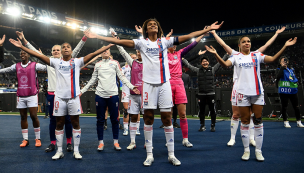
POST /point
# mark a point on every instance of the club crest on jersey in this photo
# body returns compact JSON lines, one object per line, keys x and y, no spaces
{"x":240,"y":97}
{"x":253,"y":56}
{"x":175,"y":57}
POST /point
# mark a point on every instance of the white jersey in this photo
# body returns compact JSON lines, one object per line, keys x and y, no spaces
{"x":126,"y":70}
{"x":67,"y":75}
{"x":247,"y":69}
{"x":155,"y":59}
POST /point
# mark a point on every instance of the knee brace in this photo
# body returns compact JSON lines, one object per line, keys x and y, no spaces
{"x":125,"y":113}
{"x":165,"y":109}
{"x":257,"y":121}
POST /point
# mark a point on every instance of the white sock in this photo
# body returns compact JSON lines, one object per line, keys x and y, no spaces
{"x":100,"y":142}
{"x":37,"y":132}
{"x":251,"y":129}
{"x":59,"y":138}
{"x":133,"y":129}
{"x":148,"y":132}
{"x":185,"y":139}
{"x":259,"y":135}
{"x":115,"y":141}
{"x":76,"y":138}
{"x":169,"y":133}
{"x":125,"y":124}
{"x":24,"y":133}
{"x":137,"y":124}
{"x":234,"y":127}
{"x":245,"y":136}
{"x":299,"y":122}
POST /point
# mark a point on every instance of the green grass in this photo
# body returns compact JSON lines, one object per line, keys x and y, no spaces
{"x":158,"y":116}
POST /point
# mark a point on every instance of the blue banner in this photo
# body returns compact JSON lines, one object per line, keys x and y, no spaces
{"x":32,"y":10}
{"x":125,"y":31}
{"x":258,"y":30}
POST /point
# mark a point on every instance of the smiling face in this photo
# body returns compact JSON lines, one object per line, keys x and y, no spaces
{"x":106,"y":54}
{"x":133,"y":56}
{"x":56,"y":51}
{"x":66,"y":49}
{"x":205,"y":63}
{"x":151,"y":27}
{"x":172,"y":49}
{"x":24,"y":55}
{"x":245,"y":44}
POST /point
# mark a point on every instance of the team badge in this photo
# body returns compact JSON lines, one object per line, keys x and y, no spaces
{"x":175,"y":57}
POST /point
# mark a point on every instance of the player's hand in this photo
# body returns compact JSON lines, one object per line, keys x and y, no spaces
{"x":138,"y":29}
{"x":210,"y":49}
{"x":170,"y":33}
{"x":215,"y":26}
{"x":291,"y":42}
{"x":112,"y":33}
{"x":280,"y":30}
{"x":136,"y":90}
{"x":20,"y":35}
{"x":202,"y":52}
{"x":88,"y":33}
{"x":2,"y":40}
{"x":80,"y":94}
{"x":16,"y":43}
{"x":40,"y":51}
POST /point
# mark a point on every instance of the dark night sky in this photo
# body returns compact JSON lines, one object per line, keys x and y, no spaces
{"x":183,"y":17}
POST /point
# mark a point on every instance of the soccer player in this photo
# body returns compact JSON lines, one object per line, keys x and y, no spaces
{"x":125,"y":94}
{"x":56,"y":53}
{"x":236,"y":113}
{"x":179,"y":96}
{"x":27,"y":94}
{"x":249,"y":90}
{"x":67,"y":91}
{"x":135,"y":100}
{"x":107,"y":95}
{"x":156,"y":86}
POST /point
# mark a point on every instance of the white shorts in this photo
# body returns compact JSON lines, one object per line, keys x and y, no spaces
{"x":64,"y":107}
{"x":135,"y":104}
{"x":245,"y":100}
{"x":27,"y":102}
{"x":125,"y":95}
{"x":157,"y":94}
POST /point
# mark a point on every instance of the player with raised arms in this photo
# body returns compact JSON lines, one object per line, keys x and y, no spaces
{"x":56,"y":53}
{"x":105,"y":72}
{"x":27,"y":93}
{"x":249,"y":90}
{"x":235,"y":111}
{"x":156,"y":86}
{"x":67,"y":91}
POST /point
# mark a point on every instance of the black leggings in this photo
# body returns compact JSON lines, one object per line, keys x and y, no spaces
{"x":206,"y":100}
{"x":294,"y":102}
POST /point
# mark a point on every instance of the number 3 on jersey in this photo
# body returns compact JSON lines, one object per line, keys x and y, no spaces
{"x":146,"y":98}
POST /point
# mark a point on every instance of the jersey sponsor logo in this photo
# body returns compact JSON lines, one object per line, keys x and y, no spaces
{"x":153,"y":51}
{"x":248,"y":65}
{"x":66,"y":68}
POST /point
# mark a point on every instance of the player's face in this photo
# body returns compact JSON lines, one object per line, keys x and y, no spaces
{"x":24,"y":55}
{"x":66,"y":49}
{"x":205,"y":63}
{"x":138,"y":55}
{"x":133,"y":56}
{"x":172,"y":49}
{"x":152,"y":27}
{"x":56,"y":51}
{"x":106,"y":54}
{"x":283,"y":63}
{"x":245,"y":44}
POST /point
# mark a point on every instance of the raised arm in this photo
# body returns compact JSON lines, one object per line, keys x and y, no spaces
{"x":12,"y":68}
{"x":2,"y":49}
{"x":191,"y":67}
{"x":99,"y":51}
{"x":184,"y":38}
{"x":125,"y":55}
{"x":42,"y":57}
{"x":25,"y":42}
{"x":126,"y":43}
{"x":221,"y":42}
{"x":79,"y":47}
{"x":92,"y":60}
{"x":218,"y":58}
{"x":269,"y":42}
{"x":191,"y":46}
{"x":290,"y":42}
